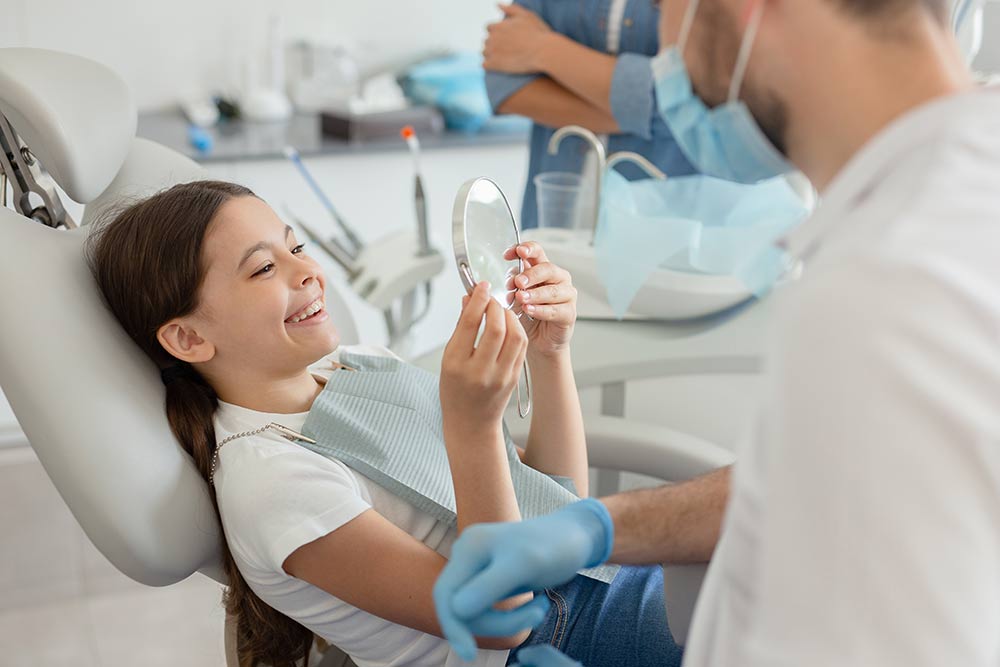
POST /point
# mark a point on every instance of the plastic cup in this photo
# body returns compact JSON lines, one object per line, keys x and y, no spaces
{"x":559,"y":200}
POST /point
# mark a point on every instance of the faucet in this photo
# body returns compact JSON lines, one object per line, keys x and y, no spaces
{"x":630,"y":156}
{"x":602,"y":162}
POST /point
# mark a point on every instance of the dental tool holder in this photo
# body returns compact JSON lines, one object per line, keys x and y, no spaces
{"x":392,"y":273}
{"x":388,"y":273}
{"x":26,"y":178}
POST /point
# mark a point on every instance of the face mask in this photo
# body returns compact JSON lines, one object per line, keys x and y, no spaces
{"x":725,"y":142}
{"x":694,"y":224}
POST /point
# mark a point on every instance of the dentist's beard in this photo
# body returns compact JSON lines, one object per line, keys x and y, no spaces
{"x":714,"y":67}
{"x":771,"y":114}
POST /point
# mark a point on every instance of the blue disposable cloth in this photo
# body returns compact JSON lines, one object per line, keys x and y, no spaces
{"x":696,"y":224}
{"x":456,"y":85}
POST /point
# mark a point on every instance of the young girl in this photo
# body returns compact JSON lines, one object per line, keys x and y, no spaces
{"x":215,"y":288}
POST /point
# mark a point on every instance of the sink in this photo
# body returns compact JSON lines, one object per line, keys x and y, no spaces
{"x":666,"y":295}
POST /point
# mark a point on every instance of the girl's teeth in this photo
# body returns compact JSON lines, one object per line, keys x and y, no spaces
{"x":308,"y":312}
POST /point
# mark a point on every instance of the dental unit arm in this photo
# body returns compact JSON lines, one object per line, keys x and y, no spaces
{"x":19,"y":167}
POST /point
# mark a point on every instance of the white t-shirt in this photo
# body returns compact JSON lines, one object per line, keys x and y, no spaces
{"x":274,"y":496}
{"x":864,"y":522}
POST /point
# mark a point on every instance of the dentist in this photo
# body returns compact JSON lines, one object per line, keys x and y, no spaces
{"x":863,"y":523}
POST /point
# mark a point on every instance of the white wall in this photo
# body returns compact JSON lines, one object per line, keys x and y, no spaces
{"x":171,"y":47}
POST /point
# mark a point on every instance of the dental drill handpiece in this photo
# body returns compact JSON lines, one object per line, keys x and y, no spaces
{"x":420,"y":201}
{"x":355,"y":242}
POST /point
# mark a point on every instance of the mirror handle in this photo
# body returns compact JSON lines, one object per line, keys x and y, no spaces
{"x":526,"y":410}
{"x":470,"y":283}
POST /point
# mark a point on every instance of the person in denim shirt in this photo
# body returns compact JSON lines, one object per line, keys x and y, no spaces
{"x":580,"y":62}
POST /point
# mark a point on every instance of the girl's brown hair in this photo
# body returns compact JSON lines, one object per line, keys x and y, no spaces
{"x":147,"y":260}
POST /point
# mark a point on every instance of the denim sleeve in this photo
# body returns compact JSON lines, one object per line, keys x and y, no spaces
{"x":632,"y":95}
{"x":500,"y":86}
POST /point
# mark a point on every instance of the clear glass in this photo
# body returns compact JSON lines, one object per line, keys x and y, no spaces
{"x":559,"y":202}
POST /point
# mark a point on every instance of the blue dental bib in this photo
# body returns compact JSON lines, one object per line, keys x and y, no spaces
{"x":383,"y":419}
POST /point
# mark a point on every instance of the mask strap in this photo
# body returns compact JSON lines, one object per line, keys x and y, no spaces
{"x":686,"y":26}
{"x":960,"y":15}
{"x":746,"y":48}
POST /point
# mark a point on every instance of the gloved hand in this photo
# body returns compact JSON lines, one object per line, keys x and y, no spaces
{"x":492,"y":562}
{"x":544,"y":655}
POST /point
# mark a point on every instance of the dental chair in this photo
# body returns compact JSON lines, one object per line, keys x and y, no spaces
{"x":88,"y":400}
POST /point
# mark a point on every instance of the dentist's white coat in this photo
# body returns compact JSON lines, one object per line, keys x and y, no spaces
{"x":864,"y":524}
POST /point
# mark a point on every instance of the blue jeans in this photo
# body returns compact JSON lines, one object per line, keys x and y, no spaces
{"x":604,"y":625}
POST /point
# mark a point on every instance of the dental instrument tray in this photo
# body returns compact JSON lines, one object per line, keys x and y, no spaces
{"x":362,"y":127}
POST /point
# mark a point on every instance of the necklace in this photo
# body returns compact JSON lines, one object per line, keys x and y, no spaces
{"x":283,"y":431}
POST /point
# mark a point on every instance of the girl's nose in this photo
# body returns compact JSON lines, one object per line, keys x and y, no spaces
{"x":308,"y":272}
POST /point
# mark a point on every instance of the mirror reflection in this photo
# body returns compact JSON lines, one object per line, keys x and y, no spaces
{"x":490,"y":231}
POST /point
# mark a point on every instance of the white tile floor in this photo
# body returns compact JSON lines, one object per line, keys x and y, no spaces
{"x":181,"y":624}
{"x":62,"y":603}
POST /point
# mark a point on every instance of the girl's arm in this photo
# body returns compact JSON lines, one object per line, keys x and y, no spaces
{"x":549,"y":103}
{"x":522,"y":43}
{"x":556,"y":442}
{"x":476,"y":384}
{"x":375,"y":566}
{"x":372,"y":564}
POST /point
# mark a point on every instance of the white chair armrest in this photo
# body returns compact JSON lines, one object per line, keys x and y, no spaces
{"x":614,"y":443}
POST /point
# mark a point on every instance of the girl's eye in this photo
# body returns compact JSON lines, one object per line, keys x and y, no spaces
{"x":267,"y":267}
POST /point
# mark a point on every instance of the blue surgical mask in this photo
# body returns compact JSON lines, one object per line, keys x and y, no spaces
{"x":725,"y":142}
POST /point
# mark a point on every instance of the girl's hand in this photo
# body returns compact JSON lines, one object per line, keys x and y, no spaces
{"x":477,"y":381}
{"x":547,"y":296}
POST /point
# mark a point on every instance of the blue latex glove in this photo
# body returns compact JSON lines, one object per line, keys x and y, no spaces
{"x":492,"y":562}
{"x":544,"y":655}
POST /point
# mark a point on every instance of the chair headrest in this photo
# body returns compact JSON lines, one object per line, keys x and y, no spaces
{"x":76,"y":115}
{"x":92,"y":406}
{"x":148,"y":168}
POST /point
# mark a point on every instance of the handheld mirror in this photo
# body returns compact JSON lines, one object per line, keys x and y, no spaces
{"x":483,"y":229}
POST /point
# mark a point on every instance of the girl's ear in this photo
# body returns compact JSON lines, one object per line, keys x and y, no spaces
{"x":181,"y":340}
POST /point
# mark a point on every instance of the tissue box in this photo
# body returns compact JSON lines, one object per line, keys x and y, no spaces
{"x":425,"y":120}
